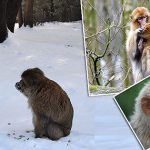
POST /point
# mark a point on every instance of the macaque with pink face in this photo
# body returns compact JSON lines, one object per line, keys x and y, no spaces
{"x":138,"y":43}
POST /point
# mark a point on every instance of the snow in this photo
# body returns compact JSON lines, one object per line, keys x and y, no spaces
{"x":57,"y":49}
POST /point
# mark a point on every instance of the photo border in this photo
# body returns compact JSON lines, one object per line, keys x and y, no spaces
{"x":124,"y":116}
{"x":86,"y":65}
{"x":84,"y":48}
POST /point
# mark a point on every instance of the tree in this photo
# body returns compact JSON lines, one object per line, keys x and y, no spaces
{"x":20,"y":17}
{"x":28,"y":13}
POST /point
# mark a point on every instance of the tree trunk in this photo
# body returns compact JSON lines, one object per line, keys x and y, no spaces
{"x":20,"y":17}
{"x":28,"y":13}
{"x":52,"y":10}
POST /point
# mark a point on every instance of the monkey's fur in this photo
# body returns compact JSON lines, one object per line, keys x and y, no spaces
{"x":140,"y":120}
{"x":136,"y":43}
{"x":145,"y":57}
{"x":51,"y":106}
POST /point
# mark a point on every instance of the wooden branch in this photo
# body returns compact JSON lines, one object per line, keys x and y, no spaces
{"x":109,"y":80}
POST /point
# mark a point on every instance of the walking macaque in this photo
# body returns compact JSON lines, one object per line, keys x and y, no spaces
{"x":137,"y":43}
{"x":51,"y":106}
{"x":140,"y":120}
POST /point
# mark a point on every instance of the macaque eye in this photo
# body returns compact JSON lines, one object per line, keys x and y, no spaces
{"x":22,"y":82}
{"x":140,"y":18}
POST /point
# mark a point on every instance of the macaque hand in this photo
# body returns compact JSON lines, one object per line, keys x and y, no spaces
{"x":139,"y":30}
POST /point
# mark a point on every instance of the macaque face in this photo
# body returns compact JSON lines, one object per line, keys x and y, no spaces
{"x":142,"y":20}
{"x":139,"y":17}
{"x":30,"y":79}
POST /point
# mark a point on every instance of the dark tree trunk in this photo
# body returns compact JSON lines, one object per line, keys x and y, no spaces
{"x":28,"y":13}
{"x":12,"y":10}
{"x":20,"y":17}
{"x":3,"y":28}
{"x":52,"y":10}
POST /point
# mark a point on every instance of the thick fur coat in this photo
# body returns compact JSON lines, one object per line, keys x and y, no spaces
{"x":50,"y":104}
{"x":140,"y":120}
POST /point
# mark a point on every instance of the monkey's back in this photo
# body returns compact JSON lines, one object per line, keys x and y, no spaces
{"x":51,"y":101}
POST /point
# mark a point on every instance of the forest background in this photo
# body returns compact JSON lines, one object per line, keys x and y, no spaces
{"x":34,"y":12}
{"x":106,"y":25}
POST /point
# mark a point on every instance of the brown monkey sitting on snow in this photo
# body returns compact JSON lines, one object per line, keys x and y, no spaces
{"x":51,"y":106}
{"x":140,"y":120}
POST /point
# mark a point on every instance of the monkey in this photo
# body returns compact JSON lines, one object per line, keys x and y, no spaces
{"x":140,"y":119}
{"x":135,"y":42}
{"x":145,"y":57}
{"x":51,"y":107}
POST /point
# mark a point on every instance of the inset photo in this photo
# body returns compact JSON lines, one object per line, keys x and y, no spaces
{"x":116,"y":35}
{"x":134,"y":103}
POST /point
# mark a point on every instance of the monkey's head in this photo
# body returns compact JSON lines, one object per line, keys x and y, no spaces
{"x":139,"y":17}
{"x":30,"y":79}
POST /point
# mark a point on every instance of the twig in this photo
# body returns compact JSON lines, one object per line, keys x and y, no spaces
{"x":109,"y":80}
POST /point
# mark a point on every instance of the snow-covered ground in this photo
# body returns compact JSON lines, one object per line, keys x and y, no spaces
{"x":56,"y":48}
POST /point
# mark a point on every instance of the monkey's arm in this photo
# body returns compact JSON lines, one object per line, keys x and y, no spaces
{"x":134,"y":50}
{"x":132,"y":43}
{"x":146,"y":61}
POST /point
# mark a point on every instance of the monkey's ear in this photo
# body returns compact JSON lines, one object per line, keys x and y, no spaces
{"x":145,"y":105}
{"x":37,"y":70}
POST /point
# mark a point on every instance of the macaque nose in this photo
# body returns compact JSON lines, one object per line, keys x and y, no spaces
{"x":17,"y":85}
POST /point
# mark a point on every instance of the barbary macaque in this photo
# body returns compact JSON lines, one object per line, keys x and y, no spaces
{"x":137,"y":43}
{"x":145,"y":58}
{"x":140,"y":120}
{"x":51,"y":107}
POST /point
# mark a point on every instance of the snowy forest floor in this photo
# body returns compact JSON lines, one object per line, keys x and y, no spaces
{"x":57,"y":49}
